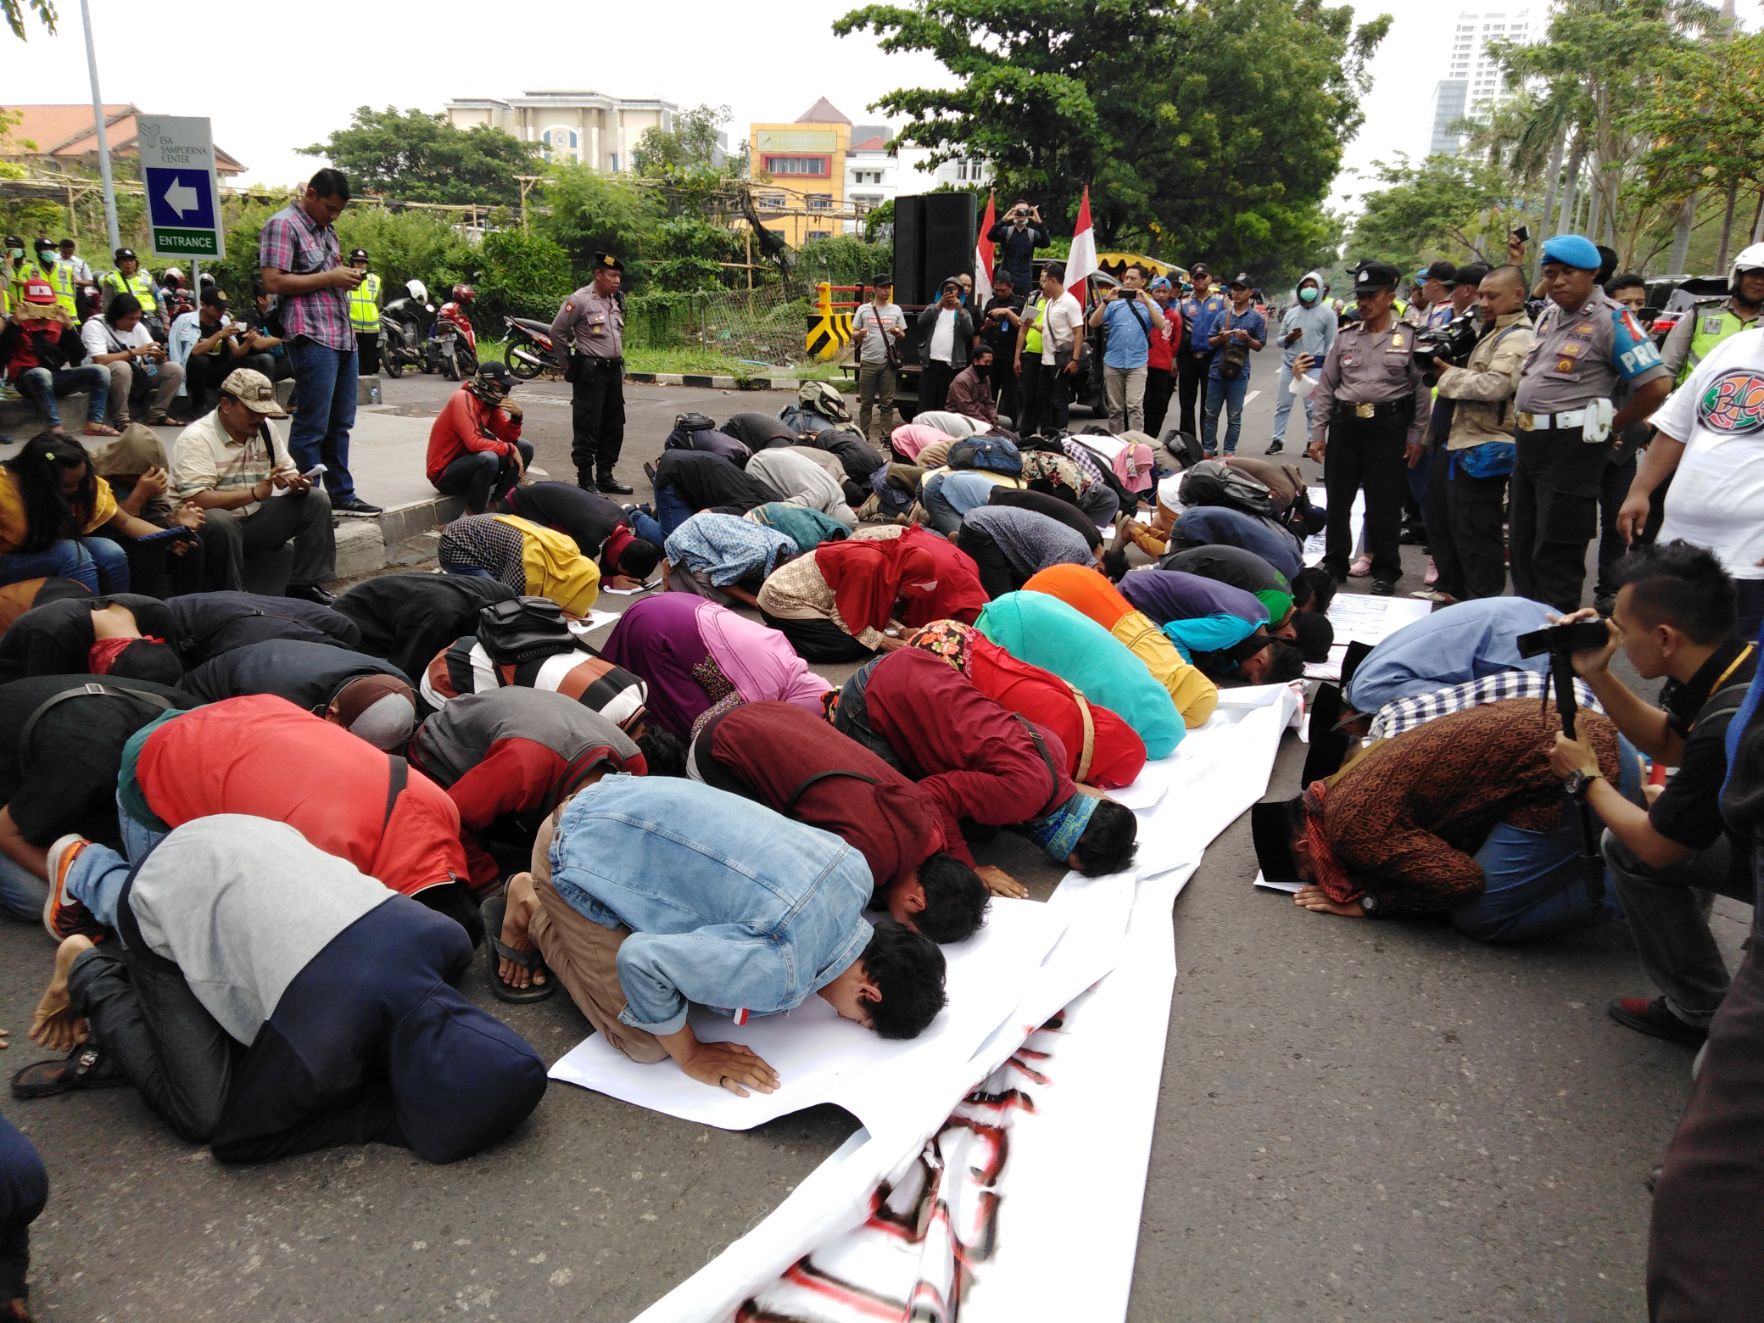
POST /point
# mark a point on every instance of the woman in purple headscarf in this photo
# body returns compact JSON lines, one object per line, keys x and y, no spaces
{"x":698,"y":657}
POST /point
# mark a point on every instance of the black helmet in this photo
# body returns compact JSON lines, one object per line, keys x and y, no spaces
{"x":357,"y":255}
{"x":492,"y":382}
{"x":126,"y":255}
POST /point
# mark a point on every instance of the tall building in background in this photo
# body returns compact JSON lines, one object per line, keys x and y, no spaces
{"x":589,"y":128}
{"x":800,"y":170}
{"x":1473,"y":83}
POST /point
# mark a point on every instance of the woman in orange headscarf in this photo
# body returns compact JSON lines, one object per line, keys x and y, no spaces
{"x":1092,"y":595}
{"x":859,"y":596}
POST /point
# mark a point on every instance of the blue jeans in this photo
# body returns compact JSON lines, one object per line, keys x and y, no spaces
{"x":1283,"y":398}
{"x":41,"y":387}
{"x":24,"y":1189}
{"x":1227,"y":395}
{"x":948,"y":496}
{"x":1533,"y":882}
{"x":22,"y":892}
{"x":324,"y":411}
{"x":671,"y":511}
{"x":97,"y":562}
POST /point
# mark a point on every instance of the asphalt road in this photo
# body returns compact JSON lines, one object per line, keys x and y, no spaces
{"x":1359,"y":1121}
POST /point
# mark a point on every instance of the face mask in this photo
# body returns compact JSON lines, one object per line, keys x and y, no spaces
{"x":1307,"y":295}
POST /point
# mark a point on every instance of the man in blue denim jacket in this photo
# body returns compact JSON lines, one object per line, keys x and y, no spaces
{"x":657,"y":894}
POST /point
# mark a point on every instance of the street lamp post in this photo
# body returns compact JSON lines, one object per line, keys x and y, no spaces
{"x":103,"y":132}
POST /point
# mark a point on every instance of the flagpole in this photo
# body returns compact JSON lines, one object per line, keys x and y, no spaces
{"x":103,"y":134}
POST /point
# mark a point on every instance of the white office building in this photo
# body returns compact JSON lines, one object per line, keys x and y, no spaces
{"x":591,"y":128}
{"x":874,"y":175}
{"x":1473,"y":82}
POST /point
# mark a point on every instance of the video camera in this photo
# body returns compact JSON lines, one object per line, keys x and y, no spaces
{"x":1560,"y":643}
{"x":1452,"y":342}
{"x":1562,"y":640}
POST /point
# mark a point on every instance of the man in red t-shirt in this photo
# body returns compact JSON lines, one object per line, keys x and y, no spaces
{"x":475,"y":446}
{"x":1160,"y":357}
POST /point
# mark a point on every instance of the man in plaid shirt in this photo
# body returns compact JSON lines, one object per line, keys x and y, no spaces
{"x":300,"y":262}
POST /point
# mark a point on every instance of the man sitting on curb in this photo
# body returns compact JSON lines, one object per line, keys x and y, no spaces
{"x":475,"y":446}
{"x":652,"y":909}
{"x":1673,"y":617}
{"x":234,"y":466}
{"x":1463,"y":816}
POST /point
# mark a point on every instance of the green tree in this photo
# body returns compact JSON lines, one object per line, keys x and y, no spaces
{"x":1446,"y":206}
{"x":585,"y":212}
{"x":522,"y":274}
{"x":690,"y":145}
{"x":1223,"y":123}
{"x":15,"y":15}
{"x":419,"y":157}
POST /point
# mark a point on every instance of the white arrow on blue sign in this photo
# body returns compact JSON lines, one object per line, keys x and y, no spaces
{"x":180,"y":197}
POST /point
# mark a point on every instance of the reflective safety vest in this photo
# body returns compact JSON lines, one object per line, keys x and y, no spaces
{"x":1714,"y":323}
{"x":66,"y":288}
{"x":1032,"y":334}
{"x":140,"y":285}
{"x":364,"y":306}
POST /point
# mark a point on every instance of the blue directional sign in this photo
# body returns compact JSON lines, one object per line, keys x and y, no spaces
{"x":180,"y":197}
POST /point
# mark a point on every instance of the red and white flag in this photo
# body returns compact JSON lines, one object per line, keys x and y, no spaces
{"x":1081,"y":264}
{"x":983,"y":248}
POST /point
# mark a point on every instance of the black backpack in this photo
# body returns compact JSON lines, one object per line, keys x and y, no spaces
{"x":524,"y":629}
{"x":1213,"y":482}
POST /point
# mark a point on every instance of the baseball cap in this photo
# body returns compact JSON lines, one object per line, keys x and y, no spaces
{"x":213,"y":297}
{"x":882,"y":278}
{"x":1160,"y":282}
{"x":1441,"y":270}
{"x":1575,"y":250}
{"x":126,"y":255}
{"x":1243,"y":280}
{"x":1370,"y":277}
{"x":254,"y":391}
{"x":1471,"y":274}
{"x":1270,"y":828}
{"x":1198,"y":269}
{"x":39,"y":293}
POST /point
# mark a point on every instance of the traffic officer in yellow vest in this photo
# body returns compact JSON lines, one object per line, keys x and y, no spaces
{"x":1565,"y":421}
{"x":1371,"y":411}
{"x":129,"y":278}
{"x":61,"y":276}
{"x":364,"y":315}
{"x":1712,"y":321}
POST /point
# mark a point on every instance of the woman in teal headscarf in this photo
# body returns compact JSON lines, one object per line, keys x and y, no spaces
{"x":1045,"y":632}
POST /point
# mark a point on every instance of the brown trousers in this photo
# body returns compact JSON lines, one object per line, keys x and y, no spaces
{"x":583,"y":956}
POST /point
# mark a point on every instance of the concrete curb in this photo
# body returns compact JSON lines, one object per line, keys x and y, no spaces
{"x":708,"y":382}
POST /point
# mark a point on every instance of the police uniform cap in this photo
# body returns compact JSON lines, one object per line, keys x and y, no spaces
{"x":1442,"y":271}
{"x":1370,"y":277}
{"x":607,"y":262}
{"x":1575,"y":250}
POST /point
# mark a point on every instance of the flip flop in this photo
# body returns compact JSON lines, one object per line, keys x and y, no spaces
{"x":493,"y":911}
{"x":86,"y":1067}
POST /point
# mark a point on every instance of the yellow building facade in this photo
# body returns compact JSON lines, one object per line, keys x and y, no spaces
{"x":799,"y":173}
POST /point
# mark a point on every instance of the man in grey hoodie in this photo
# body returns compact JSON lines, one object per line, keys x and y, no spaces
{"x":1307,"y":328}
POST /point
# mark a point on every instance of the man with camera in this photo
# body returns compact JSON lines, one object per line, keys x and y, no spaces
{"x":1372,"y":409}
{"x":877,"y":329}
{"x":1586,"y":345}
{"x":1130,"y":317}
{"x":1479,"y":447}
{"x":1673,"y":618}
{"x":1018,"y":235}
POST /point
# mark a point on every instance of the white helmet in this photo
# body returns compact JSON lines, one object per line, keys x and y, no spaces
{"x":417,"y":290}
{"x":1749,"y":259}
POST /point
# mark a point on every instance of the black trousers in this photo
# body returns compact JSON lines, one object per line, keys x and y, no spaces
{"x":1003,"y":379}
{"x":1366,"y":453}
{"x":817,"y":640}
{"x":1437,"y":511}
{"x":1159,"y":387}
{"x":934,"y":379}
{"x":1477,"y":510}
{"x":597,"y":417}
{"x":24,"y":1189}
{"x":1032,"y":399}
{"x":1192,"y":388}
{"x":303,"y":520}
{"x":997,"y":576}
{"x":1613,"y":487}
{"x":1554,"y":514}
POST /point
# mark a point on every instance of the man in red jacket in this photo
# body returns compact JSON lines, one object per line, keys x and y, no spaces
{"x":475,"y":446}
{"x":790,"y":760}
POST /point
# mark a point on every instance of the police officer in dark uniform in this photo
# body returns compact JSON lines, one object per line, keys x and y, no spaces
{"x":1586,"y":345}
{"x":591,"y":323}
{"x":1371,"y":408}
{"x":1194,"y":356}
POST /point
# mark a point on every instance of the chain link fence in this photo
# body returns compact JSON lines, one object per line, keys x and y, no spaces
{"x":764,"y":326}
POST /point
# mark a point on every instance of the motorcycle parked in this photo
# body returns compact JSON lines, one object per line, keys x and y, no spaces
{"x":531,"y":349}
{"x":402,"y":326}
{"x":453,"y":344}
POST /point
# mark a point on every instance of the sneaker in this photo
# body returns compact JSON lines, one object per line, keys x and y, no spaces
{"x":63,"y":916}
{"x":1274,"y":449}
{"x":1360,"y":568}
{"x":1655,"y":1019}
{"x":870,"y":509}
{"x":356,"y":506}
{"x":1605,"y":603}
{"x":1432,"y":575}
{"x":1382,"y":587}
{"x":1433,"y":595}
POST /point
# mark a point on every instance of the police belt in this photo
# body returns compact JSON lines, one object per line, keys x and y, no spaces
{"x":1404,"y":407}
{"x":593,"y":362}
{"x":1574,"y":419}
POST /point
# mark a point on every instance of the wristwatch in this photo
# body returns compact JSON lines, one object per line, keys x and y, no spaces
{"x":1579,"y":782}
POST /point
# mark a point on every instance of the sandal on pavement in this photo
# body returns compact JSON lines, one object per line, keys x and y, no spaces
{"x":86,"y":1067}
{"x":101,"y":429}
{"x":493,"y":912}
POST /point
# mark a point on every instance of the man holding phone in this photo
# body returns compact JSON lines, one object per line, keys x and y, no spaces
{"x":1132,"y":318}
{"x":1018,"y":235}
{"x":232,"y":465}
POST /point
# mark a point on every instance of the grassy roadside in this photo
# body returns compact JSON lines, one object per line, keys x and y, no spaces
{"x":697,"y":361}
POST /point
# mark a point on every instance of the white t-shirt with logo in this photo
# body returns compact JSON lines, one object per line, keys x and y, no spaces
{"x":1717,"y":495}
{"x":943,"y":336}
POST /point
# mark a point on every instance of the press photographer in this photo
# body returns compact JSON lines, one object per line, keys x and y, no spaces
{"x":1467,"y":484}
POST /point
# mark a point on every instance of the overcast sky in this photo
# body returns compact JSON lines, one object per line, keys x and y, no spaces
{"x":268,"y":95}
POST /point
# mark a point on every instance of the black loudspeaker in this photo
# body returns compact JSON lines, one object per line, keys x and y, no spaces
{"x":909,"y":249}
{"x":949,"y":240}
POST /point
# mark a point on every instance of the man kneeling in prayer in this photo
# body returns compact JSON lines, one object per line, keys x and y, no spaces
{"x":1462,"y":817}
{"x":649,"y":896}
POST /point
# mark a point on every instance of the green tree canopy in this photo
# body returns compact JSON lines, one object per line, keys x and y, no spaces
{"x":690,"y":145}
{"x":1221,"y":123}
{"x":1445,"y":206}
{"x":15,"y":15}
{"x":419,"y":157}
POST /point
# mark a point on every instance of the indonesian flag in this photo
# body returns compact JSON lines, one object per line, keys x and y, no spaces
{"x":1081,"y":264}
{"x":983,"y":257}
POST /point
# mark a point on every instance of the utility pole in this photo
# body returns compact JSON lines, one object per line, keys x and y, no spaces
{"x":103,"y":132}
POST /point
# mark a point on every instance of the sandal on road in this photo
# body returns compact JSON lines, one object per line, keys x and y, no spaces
{"x":493,"y":912}
{"x":86,"y":1067}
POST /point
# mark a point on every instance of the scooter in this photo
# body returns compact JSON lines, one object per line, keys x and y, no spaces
{"x":531,"y":349}
{"x":453,"y":344}
{"x":402,"y":324}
